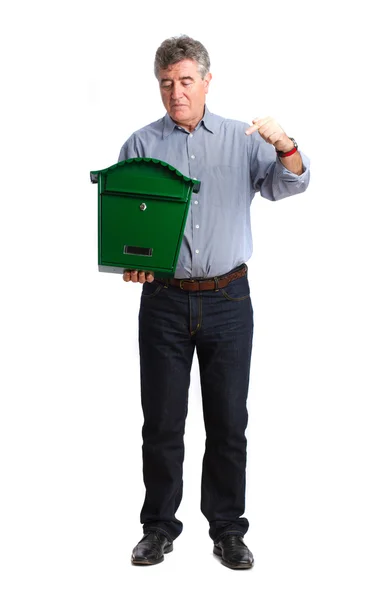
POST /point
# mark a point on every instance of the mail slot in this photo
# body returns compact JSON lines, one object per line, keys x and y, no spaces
{"x":142,"y":210}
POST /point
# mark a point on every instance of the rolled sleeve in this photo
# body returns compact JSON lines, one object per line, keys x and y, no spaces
{"x":270,"y":177}
{"x":287,"y":183}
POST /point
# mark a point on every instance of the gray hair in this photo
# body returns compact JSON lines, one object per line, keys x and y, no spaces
{"x":175,"y":49}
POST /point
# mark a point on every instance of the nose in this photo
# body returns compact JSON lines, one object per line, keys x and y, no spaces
{"x":176,"y":91}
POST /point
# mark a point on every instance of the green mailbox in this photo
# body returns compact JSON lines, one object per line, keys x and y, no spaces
{"x":143,"y":207}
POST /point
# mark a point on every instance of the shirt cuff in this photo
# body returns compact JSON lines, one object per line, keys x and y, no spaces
{"x":289,"y":174}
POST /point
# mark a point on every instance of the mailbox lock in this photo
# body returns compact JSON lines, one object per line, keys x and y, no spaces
{"x":143,"y":206}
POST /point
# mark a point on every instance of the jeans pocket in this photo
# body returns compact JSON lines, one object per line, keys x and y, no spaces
{"x":237,"y":290}
{"x":150,"y":290}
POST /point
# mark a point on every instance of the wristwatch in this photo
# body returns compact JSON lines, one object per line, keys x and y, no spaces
{"x":290,"y":152}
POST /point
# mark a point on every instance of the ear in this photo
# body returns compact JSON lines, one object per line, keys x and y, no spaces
{"x":207,"y":81}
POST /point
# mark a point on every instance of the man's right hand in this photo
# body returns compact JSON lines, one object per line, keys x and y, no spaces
{"x":138,"y":276}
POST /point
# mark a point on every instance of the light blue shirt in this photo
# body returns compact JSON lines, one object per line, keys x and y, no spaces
{"x":232,"y":167}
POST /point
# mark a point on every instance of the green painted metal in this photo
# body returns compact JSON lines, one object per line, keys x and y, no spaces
{"x":142,"y":210}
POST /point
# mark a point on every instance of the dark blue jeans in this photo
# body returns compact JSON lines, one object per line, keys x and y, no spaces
{"x":219,"y":324}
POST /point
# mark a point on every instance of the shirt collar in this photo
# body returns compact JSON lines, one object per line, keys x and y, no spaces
{"x":207,"y":121}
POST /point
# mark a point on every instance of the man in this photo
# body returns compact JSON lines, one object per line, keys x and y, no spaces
{"x":207,"y":305}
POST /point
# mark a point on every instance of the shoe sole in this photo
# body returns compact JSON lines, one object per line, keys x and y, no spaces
{"x":146,"y":563}
{"x":218,"y":552}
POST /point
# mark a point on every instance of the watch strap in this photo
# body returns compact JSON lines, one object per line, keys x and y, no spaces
{"x":290,"y":152}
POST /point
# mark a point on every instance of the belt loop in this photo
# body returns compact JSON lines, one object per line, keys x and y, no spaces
{"x":216,"y":282}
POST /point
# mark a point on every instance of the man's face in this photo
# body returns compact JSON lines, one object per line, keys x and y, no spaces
{"x":183,"y":92}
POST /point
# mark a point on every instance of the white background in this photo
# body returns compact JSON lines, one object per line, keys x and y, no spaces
{"x":78,"y":80}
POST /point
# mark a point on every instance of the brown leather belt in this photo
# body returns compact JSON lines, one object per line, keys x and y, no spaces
{"x":203,"y":285}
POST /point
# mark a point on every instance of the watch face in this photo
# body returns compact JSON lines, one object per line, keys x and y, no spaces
{"x":295,"y":144}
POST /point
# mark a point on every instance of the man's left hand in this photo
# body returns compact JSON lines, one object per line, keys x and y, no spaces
{"x":272,"y":133}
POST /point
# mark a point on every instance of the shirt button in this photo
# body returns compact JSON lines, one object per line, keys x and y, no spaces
{"x":196,"y":202}
{"x":192,"y":156}
{"x":197,"y":251}
{"x":191,"y":134}
{"x":197,"y":226}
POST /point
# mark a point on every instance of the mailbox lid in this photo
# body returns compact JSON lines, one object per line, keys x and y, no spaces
{"x":146,"y":176}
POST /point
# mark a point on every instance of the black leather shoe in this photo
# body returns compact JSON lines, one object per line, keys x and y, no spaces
{"x":151,"y":549}
{"x":233,"y":552}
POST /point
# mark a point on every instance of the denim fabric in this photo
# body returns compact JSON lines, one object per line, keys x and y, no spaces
{"x":219,"y":324}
